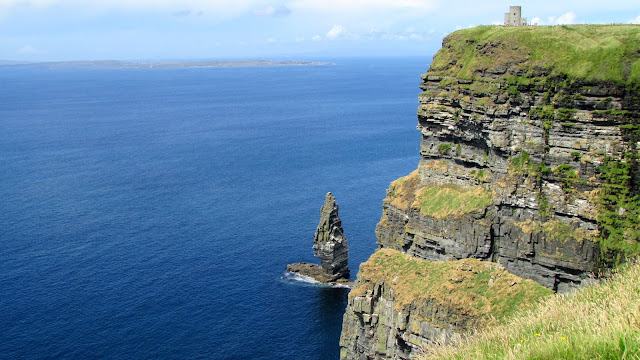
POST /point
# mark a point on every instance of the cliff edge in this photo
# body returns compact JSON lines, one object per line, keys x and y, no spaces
{"x":402,"y":305}
{"x":528,"y":159}
{"x":528,"y":153}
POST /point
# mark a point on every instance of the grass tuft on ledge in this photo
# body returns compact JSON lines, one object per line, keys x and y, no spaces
{"x":479,"y":289}
{"x":449,"y":200}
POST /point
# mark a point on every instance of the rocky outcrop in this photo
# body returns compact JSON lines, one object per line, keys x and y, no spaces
{"x":528,"y":167}
{"x":330,"y":246}
{"x":329,"y":243}
{"x":401,"y":305}
{"x":531,"y":143}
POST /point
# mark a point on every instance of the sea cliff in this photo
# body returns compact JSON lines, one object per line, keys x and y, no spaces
{"x":403,"y":304}
{"x":528,"y":155}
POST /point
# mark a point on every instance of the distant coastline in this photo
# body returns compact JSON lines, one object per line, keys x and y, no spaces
{"x":115,"y":64}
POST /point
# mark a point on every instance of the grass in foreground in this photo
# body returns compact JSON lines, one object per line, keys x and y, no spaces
{"x":599,"y":322}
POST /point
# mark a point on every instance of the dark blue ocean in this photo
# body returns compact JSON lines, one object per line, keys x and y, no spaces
{"x":150,"y":214}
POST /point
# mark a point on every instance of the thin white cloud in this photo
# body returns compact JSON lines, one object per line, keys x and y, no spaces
{"x":335,"y":31}
{"x":635,"y":21}
{"x":566,"y":18}
{"x":27,"y":50}
{"x":34,"y":3}
{"x":214,"y":8}
{"x":184,"y":13}
{"x":375,"y":34}
{"x":316,"y":38}
{"x":365,"y":6}
{"x":273,"y":11}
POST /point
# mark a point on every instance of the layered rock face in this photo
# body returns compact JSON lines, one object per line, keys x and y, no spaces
{"x":329,"y":243}
{"x":528,"y":163}
{"x":401,"y":304}
{"x":510,"y":159}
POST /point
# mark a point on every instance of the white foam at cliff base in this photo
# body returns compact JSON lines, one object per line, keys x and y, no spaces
{"x":308,"y":280}
{"x":293,"y":277}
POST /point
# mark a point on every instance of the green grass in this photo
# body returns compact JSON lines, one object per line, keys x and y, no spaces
{"x":556,"y":230}
{"x":444,"y":148}
{"x":446,"y":200}
{"x":599,"y":322}
{"x":559,"y":231}
{"x":463,"y":286}
{"x":619,"y":213}
{"x":589,"y":52}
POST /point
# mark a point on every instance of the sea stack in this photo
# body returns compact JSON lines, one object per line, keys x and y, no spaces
{"x":330,"y":246}
{"x":329,"y":243}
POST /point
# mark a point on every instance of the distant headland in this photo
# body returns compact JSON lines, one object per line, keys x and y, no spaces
{"x":116,"y":64}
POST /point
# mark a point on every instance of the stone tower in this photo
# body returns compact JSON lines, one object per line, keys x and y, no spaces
{"x":514,"y":17}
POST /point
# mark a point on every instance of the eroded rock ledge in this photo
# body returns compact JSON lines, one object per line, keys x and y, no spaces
{"x":402,"y":304}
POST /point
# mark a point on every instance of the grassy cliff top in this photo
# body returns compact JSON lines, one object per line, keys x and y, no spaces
{"x":477,"y":288}
{"x":598,"y":322}
{"x":590,"y":52}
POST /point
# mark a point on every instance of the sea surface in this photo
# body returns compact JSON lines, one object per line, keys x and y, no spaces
{"x":150,"y":213}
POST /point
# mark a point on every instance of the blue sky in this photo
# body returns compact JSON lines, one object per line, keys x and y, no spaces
{"x":44,"y":30}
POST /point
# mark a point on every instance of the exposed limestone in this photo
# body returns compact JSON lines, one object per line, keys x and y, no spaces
{"x":402,"y":304}
{"x":330,"y":246}
{"x":529,"y":151}
{"x":536,"y":144}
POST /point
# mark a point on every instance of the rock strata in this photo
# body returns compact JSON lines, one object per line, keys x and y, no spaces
{"x":330,"y":246}
{"x":400,"y":305}
{"x":329,"y":243}
{"x":528,"y":167}
{"x":512,"y":159}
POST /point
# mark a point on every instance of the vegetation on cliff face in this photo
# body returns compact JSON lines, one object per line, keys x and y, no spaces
{"x":597,"y":322}
{"x":585,"y":52}
{"x":481,"y":290}
{"x":619,"y":213}
{"x":439,"y":201}
{"x":565,"y":81}
{"x":529,"y":157}
{"x":443,"y":201}
{"x":402,"y":191}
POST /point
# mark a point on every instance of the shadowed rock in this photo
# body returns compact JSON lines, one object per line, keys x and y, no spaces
{"x":330,"y":246}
